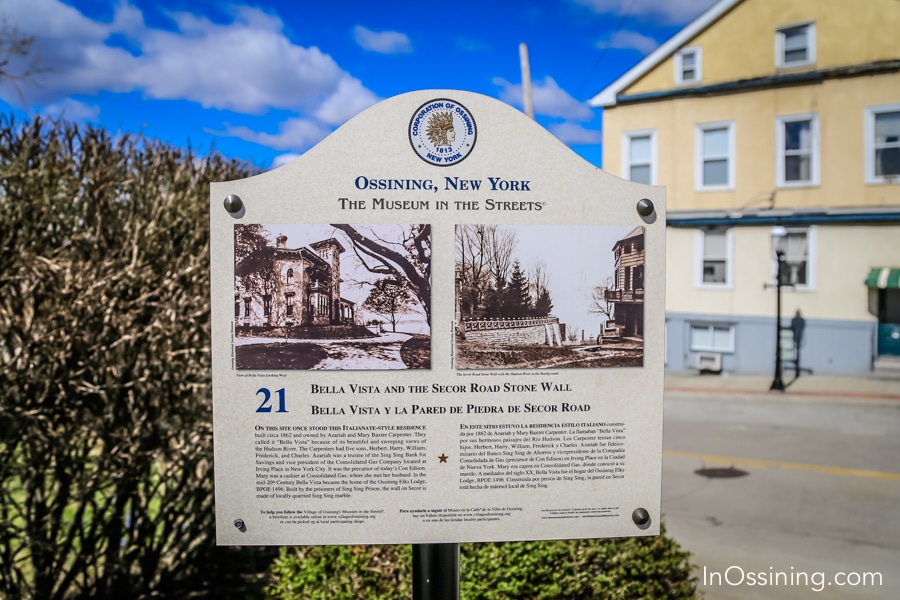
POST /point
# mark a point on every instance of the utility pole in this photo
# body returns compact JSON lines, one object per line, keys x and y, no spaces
{"x":527,"y":101}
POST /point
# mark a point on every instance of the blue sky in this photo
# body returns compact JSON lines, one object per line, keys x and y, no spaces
{"x":265,"y":81}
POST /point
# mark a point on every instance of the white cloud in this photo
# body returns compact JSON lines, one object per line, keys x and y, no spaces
{"x":550,"y":100}
{"x":292,"y":134}
{"x":283,"y":159}
{"x":71,"y":49}
{"x":127,"y":19}
{"x":72,"y":110}
{"x":248,"y":65}
{"x":630,"y":40}
{"x":382,"y":42}
{"x":349,"y":99}
{"x":575,"y":134}
{"x":670,"y":11}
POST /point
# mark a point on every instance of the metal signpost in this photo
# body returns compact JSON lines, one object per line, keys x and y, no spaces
{"x":438,"y":325}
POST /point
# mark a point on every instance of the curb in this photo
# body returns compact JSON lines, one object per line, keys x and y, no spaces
{"x":807,"y":393}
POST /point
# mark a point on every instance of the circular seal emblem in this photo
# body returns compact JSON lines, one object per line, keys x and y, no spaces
{"x":442,"y":132}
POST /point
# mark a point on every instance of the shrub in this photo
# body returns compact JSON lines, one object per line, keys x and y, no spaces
{"x":642,"y":567}
{"x":105,"y":412}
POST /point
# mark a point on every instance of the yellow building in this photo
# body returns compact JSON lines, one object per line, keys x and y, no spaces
{"x":772,"y":124}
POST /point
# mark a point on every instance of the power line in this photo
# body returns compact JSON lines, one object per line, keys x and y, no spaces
{"x":625,"y":14}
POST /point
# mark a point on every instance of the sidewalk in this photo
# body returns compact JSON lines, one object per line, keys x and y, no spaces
{"x":806,"y":385}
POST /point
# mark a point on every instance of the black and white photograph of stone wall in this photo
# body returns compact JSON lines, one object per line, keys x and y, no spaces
{"x":332,"y":297}
{"x":549,"y":296}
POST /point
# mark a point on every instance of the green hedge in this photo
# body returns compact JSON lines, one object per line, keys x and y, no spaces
{"x":643,"y":567}
{"x":105,"y":409}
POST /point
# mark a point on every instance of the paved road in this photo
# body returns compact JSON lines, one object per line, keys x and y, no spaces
{"x":820,"y":497}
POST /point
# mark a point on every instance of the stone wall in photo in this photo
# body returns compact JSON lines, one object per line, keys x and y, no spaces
{"x":539,"y":331}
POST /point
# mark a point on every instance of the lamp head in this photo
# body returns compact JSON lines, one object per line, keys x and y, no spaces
{"x":779,"y":239}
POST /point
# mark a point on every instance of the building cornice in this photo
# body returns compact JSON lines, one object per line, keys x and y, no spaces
{"x":787,"y":217}
{"x":303,"y":253}
{"x":773,"y":81}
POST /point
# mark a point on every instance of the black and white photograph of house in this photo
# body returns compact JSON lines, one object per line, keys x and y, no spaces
{"x":332,"y":297}
{"x":549,"y":296}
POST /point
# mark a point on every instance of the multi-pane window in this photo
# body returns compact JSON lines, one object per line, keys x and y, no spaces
{"x":714,"y":156}
{"x":883,"y":144}
{"x":639,"y":150}
{"x":267,"y":305}
{"x":798,"y":147}
{"x":289,"y":277}
{"x":795,"y":45}
{"x":247,"y":308}
{"x":289,"y":304}
{"x":688,"y":66}
{"x":714,"y":267}
{"x":712,"y":338}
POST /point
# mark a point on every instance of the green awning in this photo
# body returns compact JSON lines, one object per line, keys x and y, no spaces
{"x":883,"y":277}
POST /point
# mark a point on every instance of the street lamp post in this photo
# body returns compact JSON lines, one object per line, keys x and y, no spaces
{"x":778,"y":241}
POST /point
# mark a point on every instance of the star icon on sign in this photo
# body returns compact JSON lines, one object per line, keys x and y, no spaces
{"x":442,"y":458}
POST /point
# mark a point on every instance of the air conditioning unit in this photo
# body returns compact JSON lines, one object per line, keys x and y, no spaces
{"x":708,"y":361}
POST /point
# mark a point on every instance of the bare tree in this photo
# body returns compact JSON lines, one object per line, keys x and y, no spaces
{"x":484,"y":258}
{"x":472,"y":265}
{"x":599,"y":304}
{"x":501,"y":243}
{"x":407,"y":258}
{"x":539,"y":278}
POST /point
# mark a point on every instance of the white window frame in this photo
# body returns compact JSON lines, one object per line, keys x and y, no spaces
{"x":699,"y":257}
{"x":699,"y":131}
{"x":627,"y":136}
{"x":697,"y":51}
{"x":869,"y":129}
{"x":781,"y":152}
{"x":810,"y":285}
{"x":727,"y":349}
{"x":810,"y":45}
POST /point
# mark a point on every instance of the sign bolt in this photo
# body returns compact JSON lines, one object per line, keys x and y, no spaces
{"x":233,"y":204}
{"x":644,"y":207}
{"x":641,"y":518}
{"x":239,"y":523}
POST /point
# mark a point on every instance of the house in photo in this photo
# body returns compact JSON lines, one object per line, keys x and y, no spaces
{"x":627,"y":296}
{"x":762,"y":116}
{"x":299,"y":286}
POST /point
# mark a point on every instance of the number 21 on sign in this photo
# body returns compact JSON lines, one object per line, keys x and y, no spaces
{"x":267,"y":396}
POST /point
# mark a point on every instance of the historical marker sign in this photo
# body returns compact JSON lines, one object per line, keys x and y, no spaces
{"x":437,"y":325}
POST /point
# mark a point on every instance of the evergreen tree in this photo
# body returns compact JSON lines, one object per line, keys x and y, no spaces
{"x":518,"y":299}
{"x":543,"y":305}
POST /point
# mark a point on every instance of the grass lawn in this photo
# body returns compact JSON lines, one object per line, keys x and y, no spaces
{"x":279,"y":356}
